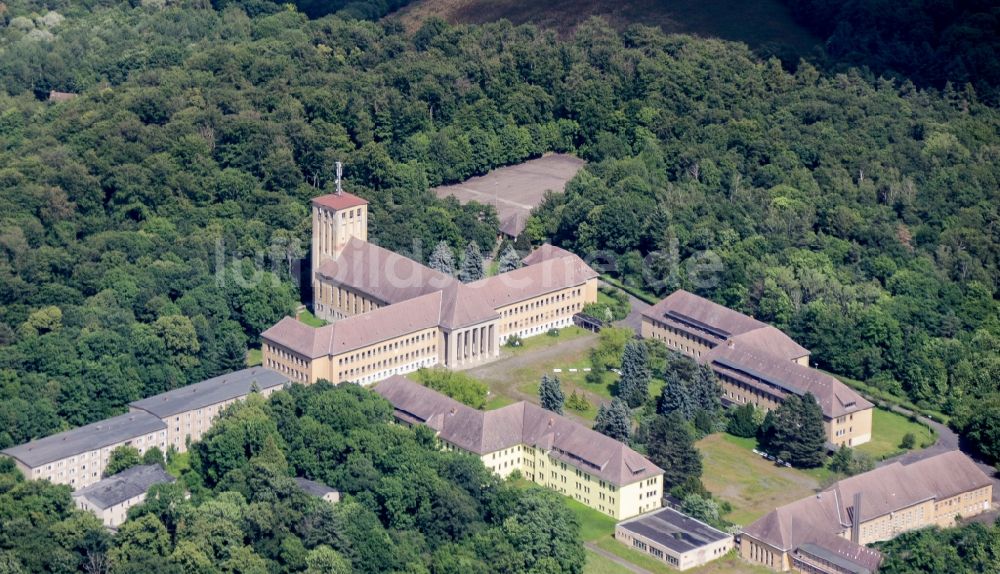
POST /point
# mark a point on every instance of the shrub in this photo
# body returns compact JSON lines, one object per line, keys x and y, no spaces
{"x":908,"y":442}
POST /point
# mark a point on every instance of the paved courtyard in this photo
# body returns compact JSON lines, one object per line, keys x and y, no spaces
{"x":516,"y":189}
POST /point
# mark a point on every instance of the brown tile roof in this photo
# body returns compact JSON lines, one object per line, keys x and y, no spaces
{"x":550,"y":271}
{"x":521,"y":423}
{"x":759,"y":369}
{"x":339,"y":201}
{"x":847,"y":555}
{"x":883,"y":490}
{"x":895,"y":486}
{"x":358,"y":331}
{"x":514,"y":224}
{"x":717,"y":323}
{"x":382,"y":274}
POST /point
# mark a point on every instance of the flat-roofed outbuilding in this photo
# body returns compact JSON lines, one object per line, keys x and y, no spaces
{"x":674,"y":538}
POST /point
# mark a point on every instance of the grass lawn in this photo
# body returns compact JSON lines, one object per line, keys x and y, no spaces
{"x":178,"y":464}
{"x":875,"y":394}
{"x":545,"y":340}
{"x":888,"y":429}
{"x":254,"y":357}
{"x":310,"y":319}
{"x":597,"y":564}
{"x":497,"y":401}
{"x":594,"y":525}
{"x":751,"y":484}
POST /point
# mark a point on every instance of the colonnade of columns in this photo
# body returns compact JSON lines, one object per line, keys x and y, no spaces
{"x":464,"y":346}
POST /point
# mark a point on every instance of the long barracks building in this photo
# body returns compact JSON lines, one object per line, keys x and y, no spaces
{"x":756,"y":363}
{"x":547,"y":448}
{"x":392,"y":315}
{"x":79,"y":456}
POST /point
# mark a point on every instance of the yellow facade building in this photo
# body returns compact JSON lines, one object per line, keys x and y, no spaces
{"x":548,"y":449}
{"x":827,"y":533}
{"x":391,"y":315}
{"x":756,"y":363}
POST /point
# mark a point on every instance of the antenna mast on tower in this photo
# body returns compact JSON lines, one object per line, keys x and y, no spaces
{"x":340,"y":172}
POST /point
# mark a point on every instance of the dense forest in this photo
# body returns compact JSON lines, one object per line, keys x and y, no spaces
{"x":930,"y":42}
{"x":407,"y":507}
{"x":149,"y":228}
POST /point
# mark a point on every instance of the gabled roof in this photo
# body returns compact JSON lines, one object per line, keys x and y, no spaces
{"x":757,"y":368}
{"x":521,"y":423}
{"x":85,"y":439}
{"x":514,"y":224}
{"x":123,"y":486}
{"x":895,"y":486}
{"x":357,"y":331}
{"x":339,"y":201}
{"x":718,"y":323}
{"x":210,"y":391}
{"x":821,"y":519}
{"x":547,"y":269}
{"x":381,"y":274}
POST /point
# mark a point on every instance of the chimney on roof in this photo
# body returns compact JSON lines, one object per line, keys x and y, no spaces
{"x":731,"y":344}
{"x":452,"y":411}
{"x":856,"y":519}
{"x":340,"y":173}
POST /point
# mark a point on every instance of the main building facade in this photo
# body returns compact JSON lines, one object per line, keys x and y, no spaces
{"x":392,"y":315}
{"x":756,"y":363}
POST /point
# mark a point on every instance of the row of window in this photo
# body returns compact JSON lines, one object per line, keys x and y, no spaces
{"x":541,"y":302}
{"x":394,"y":346}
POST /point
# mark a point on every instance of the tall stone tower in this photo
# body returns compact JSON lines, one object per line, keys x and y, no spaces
{"x":336,"y":218}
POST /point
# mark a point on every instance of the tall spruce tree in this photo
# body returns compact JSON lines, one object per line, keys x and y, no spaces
{"x":794,"y":432}
{"x":472,"y":264}
{"x":633,"y":386}
{"x":613,"y":420}
{"x":674,"y":398}
{"x":509,"y":260}
{"x":442,"y":259}
{"x":705,"y":391}
{"x":670,"y":445}
{"x":550,"y":394}
{"x":810,"y":445}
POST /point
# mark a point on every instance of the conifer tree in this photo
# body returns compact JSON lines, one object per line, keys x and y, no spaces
{"x":674,"y":398}
{"x":741,"y":421}
{"x":509,"y":260}
{"x":613,"y":420}
{"x":633,"y":387}
{"x":442,"y":259}
{"x":705,"y":391}
{"x":472,"y":264}
{"x":550,"y":394}
{"x":670,"y":445}
{"x":810,"y":447}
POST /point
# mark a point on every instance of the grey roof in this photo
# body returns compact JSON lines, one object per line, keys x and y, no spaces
{"x":674,"y":530}
{"x":520,"y":423}
{"x":314,"y":488}
{"x":123,"y":486}
{"x":86,"y":438}
{"x":210,"y":391}
{"x":844,"y":554}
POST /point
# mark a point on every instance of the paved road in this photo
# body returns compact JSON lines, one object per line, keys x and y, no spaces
{"x":616,"y":559}
{"x":636,"y":307}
